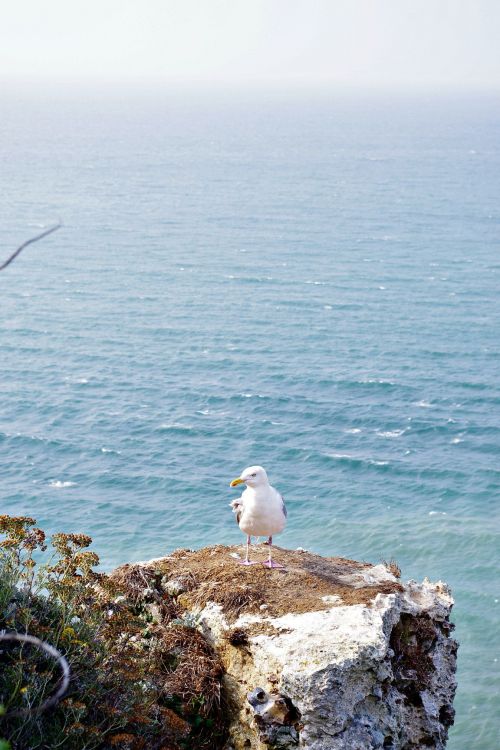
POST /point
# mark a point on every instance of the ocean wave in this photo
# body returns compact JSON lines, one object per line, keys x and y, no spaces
{"x":356,"y":460}
{"x":372,"y":383}
{"x":377,"y":381}
{"x":252,"y":395}
{"x":391,"y":433}
{"x":176,"y":427}
{"x":58,"y":484}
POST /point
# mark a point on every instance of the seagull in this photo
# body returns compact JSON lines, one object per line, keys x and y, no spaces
{"x":260,"y":511}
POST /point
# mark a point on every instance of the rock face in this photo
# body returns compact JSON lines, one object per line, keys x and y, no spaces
{"x":328,"y":654}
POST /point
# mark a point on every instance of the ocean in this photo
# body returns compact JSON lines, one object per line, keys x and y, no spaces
{"x":305,"y":281}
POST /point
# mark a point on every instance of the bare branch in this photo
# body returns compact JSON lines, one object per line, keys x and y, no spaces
{"x":28,"y":242}
{"x":55,"y":654}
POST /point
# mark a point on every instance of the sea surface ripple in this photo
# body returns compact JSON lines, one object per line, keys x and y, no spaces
{"x":310,"y":284}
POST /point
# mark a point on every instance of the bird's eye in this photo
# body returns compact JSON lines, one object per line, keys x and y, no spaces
{"x":254,"y":475}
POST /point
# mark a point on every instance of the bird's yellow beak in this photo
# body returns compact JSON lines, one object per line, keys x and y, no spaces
{"x":236,"y":482}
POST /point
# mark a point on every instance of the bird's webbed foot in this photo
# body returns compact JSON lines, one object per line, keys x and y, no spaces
{"x":272,"y":564}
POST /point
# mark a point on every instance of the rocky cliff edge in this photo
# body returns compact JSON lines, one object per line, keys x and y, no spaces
{"x":327,"y":654}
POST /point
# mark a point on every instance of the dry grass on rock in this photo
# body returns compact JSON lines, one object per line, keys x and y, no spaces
{"x":216,"y":576}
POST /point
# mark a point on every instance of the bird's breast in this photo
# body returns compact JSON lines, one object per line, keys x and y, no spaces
{"x":262,"y":515}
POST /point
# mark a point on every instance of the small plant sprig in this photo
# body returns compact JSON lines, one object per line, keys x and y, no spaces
{"x":22,"y":539}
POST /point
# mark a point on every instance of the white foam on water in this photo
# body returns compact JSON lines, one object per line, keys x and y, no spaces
{"x":58,"y":485}
{"x":391,"y":433}
{"x":353,"y":431}
{"x":381,"y":381}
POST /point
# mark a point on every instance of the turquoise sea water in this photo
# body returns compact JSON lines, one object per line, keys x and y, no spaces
{"x":309,"y":283}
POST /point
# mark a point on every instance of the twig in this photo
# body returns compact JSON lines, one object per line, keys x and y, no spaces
{"x":55,"y":654}
{"x":28,"y":242}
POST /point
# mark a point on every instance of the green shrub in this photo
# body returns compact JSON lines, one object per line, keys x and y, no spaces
{"x":127,"y":686}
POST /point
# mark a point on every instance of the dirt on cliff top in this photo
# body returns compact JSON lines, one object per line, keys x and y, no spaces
{"x":307,"y":583}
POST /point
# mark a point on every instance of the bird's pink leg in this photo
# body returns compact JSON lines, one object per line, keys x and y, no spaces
{"x":246,"y":561}
{"x":270,"y":563}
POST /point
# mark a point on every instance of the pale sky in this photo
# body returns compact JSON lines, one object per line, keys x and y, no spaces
{"x":368,"y":43}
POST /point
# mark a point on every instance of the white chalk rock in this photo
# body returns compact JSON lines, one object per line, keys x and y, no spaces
{"x":375,"y":674}
{"x":328,"y":654}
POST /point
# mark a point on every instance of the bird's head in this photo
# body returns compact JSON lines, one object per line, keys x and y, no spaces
{"x":254,"y":476}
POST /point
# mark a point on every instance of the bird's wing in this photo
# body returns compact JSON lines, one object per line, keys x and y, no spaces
{"x":283,"y":506}
{"x":237,"y":506}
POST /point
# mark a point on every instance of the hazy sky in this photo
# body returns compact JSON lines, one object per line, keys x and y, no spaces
{"x":409,"y":43}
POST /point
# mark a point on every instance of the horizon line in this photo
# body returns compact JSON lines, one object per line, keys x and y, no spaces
{"x":245,"y":85}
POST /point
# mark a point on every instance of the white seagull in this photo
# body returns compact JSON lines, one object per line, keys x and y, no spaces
{"x":260,"y":511}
